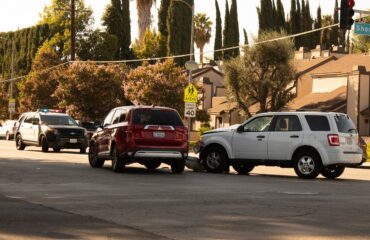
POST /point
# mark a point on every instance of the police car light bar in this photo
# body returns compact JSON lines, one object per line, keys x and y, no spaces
{"x":47,"y":110}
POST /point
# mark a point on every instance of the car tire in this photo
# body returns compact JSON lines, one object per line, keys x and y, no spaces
{"x":215,"y":160}
{"x":7,"y":136}
{"x":151,"y":165}
{"x":243,"y":168}
{"x":83,"y":150}
{"x":332,"y":171}
{"x":118,"y":164}
{"x":57,"y":149}
{"x":94,"y":160}
{"x":178,"y":166}
{"x":44,"y":144}
{"x":19,"y":143}
{"x":307,"y":164}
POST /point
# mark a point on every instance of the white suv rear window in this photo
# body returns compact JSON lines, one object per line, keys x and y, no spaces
{"x":344,"y":124}
{"x":318,"y":123}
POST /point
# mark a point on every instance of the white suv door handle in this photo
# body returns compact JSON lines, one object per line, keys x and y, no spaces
{"x":294,"y":136}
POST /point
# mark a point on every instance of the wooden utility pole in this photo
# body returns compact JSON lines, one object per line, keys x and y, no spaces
{"x":73,"y":30}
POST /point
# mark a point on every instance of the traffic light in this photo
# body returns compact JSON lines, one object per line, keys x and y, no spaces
{"x":346,"y":14}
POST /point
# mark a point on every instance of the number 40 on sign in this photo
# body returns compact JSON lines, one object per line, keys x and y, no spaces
{"x":190,"y":110}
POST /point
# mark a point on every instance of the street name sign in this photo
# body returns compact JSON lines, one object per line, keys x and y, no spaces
{"x":362,"y":29}
{"x":191,"y":94}
{"x":190,"y":110}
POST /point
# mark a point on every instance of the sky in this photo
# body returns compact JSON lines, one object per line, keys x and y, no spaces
{"x":16,"y":14}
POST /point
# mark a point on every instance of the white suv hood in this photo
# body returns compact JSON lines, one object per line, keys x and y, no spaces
{"x":227,"y":129}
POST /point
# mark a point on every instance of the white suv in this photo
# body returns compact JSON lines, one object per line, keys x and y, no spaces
{"x":311,"y":142}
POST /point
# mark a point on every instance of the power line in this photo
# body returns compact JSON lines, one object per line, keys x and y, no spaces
{"x":182,"y":55}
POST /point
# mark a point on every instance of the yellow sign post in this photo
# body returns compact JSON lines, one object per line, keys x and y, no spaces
{"x":191,"y":94}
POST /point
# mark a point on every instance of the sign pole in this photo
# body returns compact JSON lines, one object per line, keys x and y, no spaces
{"x":189,"y":118}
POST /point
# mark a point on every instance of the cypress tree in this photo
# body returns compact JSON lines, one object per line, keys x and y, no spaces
{"x":218,"y":35}
{"x":226,"y":38}
{"x":117,"y":21}
{"x":293,"y":13}
{"x":335,"y":30}
{"x":275,"y":21}
{"x":234,"y":29}
{"x":318,"y":25}
{"x":298,"y":18}
{"x":309,"y":38}
{"x":179,"y":25}
{"x":163,"y":27}
{"x":280,"y":15}
{"x":246,"y":41}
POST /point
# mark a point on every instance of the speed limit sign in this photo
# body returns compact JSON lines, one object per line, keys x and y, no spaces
{"x":190,"y":110}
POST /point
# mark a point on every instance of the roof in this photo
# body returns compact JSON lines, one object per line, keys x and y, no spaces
{"x":204,"y":70}
{"x":142,"y":107}
{"x":344,"y":64}
{"x":222,"y":104}
{"x":331,"y":101}
{"x":305,"y":65}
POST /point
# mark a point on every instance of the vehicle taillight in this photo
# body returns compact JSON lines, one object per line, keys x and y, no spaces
{"x":333,"y":140}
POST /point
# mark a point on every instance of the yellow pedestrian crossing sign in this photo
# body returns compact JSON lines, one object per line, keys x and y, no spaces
{"x":191,"y":94}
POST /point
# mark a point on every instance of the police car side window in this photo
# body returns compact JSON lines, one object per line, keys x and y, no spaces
{"x":28,"y":119}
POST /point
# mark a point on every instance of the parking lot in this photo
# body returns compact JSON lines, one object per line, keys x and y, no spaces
{"x":58,"y":196}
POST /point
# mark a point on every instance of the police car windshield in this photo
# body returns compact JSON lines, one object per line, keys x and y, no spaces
{"x":58,"y":120}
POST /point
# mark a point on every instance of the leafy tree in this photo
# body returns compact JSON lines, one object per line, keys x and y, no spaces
{"x":179,"y":25}
{"x":88,"y":91}
{"x":262,"y":75}
{"x":161,"y":84}
{"x":38,"y":89}
{"x":56,"y":15}
{"x":202,"y":32}
{"x":116,"y":19}
{"x":361,"y":43}
{"x":3,"y":103}
{"x":150,"y":46}
{"x":218,"y":35}
{"x":97,"y":45}
{"x":163,"y":27}
{"x":234,"y":29}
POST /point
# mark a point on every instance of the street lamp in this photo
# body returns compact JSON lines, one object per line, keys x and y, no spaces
{"x":11,"y":76}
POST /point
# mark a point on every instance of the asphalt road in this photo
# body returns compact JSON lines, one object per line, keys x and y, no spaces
{"x":58,"y":196}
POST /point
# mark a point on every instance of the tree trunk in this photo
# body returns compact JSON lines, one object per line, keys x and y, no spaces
{"x":144,"y":17}
{"x":201,"y":48}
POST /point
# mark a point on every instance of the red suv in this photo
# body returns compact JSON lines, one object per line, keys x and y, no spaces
{"x":140,"y":134}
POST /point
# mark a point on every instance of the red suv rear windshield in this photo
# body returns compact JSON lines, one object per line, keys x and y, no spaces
{"x":156,"y":117}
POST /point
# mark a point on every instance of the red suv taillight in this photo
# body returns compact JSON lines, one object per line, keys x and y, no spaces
{"x":333,"y":140}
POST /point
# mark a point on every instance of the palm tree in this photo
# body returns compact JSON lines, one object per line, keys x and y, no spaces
{"x":327,"y":20}
{"x":202,"y":32}
{"x":144,"y":17}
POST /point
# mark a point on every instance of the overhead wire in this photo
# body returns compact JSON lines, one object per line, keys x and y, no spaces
{"x":178,"y":56}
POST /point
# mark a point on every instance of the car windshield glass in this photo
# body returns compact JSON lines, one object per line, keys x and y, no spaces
{"x":156,"y":117}
{"x":89,"y":125}
{"x":344,"y":124}
{"x":58,"y":120}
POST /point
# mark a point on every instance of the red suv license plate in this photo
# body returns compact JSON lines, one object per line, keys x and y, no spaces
{"x":159,"y":134}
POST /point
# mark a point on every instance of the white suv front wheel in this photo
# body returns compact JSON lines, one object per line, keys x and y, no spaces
{"x":307,"y":164}
{"x":215,"y":160}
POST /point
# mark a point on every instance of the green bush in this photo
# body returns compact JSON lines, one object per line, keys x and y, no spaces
{"x":203,"y":129}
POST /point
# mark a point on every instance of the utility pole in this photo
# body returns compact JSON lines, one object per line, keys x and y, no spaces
{"x":73,"y":30}
{"x":12,"y":82}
